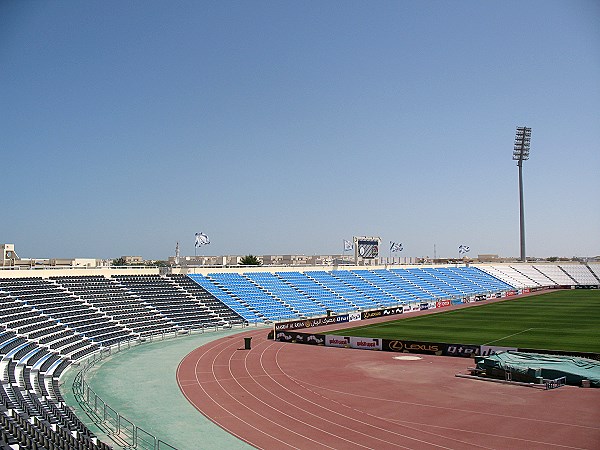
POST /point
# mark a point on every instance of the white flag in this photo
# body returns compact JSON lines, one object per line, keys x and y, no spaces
{"x":463,"y":249}
{"x":395,"y":247}
{"x":201,"y":239}
{"x":348,"y":245}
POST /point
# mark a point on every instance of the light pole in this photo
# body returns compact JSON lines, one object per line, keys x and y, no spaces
{"x":520,"y":154}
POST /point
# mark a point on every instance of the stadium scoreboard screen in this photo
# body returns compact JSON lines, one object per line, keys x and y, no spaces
{"x":366,"y":247}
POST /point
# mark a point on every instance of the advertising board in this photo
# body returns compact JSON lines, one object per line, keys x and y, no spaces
{"x":404,"y":346}
{"x":461,"y":350}
{"x":382,"y":312}
{"x":365,"y":343}
{"x":309,"y":323}
{"x":300,"y":338}
{"x":393,"y":311}
{"x":394,"y":345}
{"x":487,"y":350}
{"x":354,"y":316}
{"x":371,"y":314}
{"x":332,"y":340}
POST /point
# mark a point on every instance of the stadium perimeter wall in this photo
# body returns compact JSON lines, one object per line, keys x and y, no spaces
{"x":76,"y":272}
{"x":273,"y":269}
{"x":46,"y":272}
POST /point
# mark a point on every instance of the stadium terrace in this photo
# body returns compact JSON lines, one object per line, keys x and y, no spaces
{"x":60,"y":319}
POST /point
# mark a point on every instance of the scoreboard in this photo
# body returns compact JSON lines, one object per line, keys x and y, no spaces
{"x":366,"y":247}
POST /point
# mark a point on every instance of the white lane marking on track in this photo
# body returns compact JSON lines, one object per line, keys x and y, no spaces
{"x":232,"y":414}
{"x":361,"y":412}
{"x":223,"y":408}
{"x":450,"y":409}
{"x":322,"y":419}
{"x":300,"y":383}
{"x":235,"y":378}
{"x":486,"y":434}
{"x":424,"y":405}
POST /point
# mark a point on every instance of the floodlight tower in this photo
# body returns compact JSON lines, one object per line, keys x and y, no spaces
{"x":520,"y":154}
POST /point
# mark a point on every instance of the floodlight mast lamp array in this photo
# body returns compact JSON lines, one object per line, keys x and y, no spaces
{"x":520,"y":154}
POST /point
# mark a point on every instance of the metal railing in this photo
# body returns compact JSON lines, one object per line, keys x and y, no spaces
{"x":556,"y":383}
{"x":117,"y":427}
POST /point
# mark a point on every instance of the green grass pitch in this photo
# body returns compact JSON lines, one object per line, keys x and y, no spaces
{"x":561,"y":320}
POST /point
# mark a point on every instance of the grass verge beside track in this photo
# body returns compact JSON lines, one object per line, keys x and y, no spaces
{"x":561,"y":320}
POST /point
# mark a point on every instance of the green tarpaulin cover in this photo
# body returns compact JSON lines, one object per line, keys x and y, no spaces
{"x":529,"y":366}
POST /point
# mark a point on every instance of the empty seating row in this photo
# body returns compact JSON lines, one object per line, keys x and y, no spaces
{"x":229,"y":300}
{"x":290,"y":294}
{"x":20,"y":431}
{"x":318,"y":292}
{"x":118,"y":303}
{"x":556,"y":274}
{"x":219,"y":312}
{"x":510,"y":276}
{"x":170,"y":300}
{"x":279,"y":289}
{"x":407,"y":289}
{"x":595,"y":269}
{"x":336,"y":292}
{"x":32,"y":411}
{"x":544,"y":275}
{"x":581,"y":274}
{"x":46,"y":323}
{"x":258,"y":299}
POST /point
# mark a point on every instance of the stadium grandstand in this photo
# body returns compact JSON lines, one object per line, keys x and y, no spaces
{"x":55,"y":319}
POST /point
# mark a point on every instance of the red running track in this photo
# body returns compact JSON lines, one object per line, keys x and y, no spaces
{"x":280,"y":395}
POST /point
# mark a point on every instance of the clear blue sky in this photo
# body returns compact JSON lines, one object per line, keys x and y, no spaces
{"x":287,"y":126}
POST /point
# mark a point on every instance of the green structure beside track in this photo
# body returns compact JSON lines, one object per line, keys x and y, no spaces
{"x":140,"y":384}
